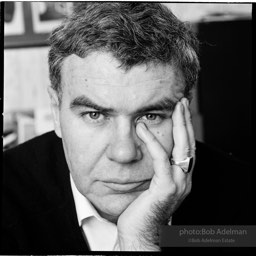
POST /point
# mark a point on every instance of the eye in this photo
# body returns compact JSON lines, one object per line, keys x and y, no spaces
{"x":94,"y":115}
{"x":151,"y":118}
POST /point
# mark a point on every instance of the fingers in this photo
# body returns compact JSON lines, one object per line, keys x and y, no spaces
{"x":184,"y":141}
{"x":180,"y":134}
{"x":189,"y":126}
{"x":190,"y":131}
{"x":183,"y":133}
{"x":159,"y":156}
{"x":167,"y":179}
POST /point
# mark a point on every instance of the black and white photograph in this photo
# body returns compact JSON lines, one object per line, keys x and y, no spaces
{"x":127,"y":127}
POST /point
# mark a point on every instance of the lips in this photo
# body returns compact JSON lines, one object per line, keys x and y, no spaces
{"x":128,"y":187}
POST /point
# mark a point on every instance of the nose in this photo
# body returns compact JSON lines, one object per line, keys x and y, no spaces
{"x":124,"y":146}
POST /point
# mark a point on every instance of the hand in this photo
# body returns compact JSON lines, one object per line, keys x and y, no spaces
{"x":138,"y":226}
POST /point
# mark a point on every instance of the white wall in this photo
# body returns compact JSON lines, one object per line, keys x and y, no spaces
{"x":25,"y":78}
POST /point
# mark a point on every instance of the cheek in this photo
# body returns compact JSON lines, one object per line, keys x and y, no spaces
{"x":83,"y":147}
{"x":164,"y":135}
{"x":79,"y":137}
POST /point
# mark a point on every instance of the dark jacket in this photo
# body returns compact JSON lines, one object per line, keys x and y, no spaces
{"x":38,"y":210}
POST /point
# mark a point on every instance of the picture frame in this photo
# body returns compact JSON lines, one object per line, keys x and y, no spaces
{"x":28,"y":24}
{"x":14,"y":19}
{"x":47,"y":15}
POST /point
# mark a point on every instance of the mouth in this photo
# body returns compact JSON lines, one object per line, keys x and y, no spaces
{"x":128,"y":187}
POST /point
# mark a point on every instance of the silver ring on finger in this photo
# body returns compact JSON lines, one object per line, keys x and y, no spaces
{"x":185,"y":165}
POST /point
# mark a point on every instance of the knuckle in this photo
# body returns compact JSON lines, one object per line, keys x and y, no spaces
{"x":165,"y":158}
{"x":172,"y":189}
{"x":187,"y":150}
{"x":191,"y":150}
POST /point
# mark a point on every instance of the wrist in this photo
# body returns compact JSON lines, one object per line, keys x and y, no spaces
{"x":139,"y":242}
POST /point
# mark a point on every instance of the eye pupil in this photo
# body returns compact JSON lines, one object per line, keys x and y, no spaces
{"x":94,"y":115}
{"x":151,"y":117}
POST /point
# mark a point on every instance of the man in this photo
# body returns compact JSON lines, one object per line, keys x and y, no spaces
{"x":122,"y":161}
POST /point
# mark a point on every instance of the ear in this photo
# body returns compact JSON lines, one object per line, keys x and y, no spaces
{"x":55,"y":107}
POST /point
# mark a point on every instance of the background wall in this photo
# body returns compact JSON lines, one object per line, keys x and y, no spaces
{"x":225,"y":85}
{"x":26,"y":103}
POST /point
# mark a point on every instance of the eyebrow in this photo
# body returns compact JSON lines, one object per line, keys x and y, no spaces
{"x":83,"y":101}
{"x":165,"y":104}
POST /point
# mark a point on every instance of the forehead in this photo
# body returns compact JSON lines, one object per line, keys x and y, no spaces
{"x":100,"y":74}
{"x":105,"y":69}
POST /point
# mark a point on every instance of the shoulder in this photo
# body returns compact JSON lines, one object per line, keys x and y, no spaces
{"x":39,"y":147}
{"x":32,"y":175}
{"x":33,"y":157}
{"x":37,"y":201}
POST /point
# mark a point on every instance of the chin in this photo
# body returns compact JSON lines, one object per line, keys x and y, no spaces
{"x":114,"y":205}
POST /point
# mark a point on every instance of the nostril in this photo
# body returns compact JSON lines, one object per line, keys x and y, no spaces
{"x":124,"y":151}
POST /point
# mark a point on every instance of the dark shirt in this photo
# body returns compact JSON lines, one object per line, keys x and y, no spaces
{"x":38,"y":211}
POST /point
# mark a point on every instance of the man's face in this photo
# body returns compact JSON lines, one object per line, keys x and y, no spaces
{"x":101,"y":106}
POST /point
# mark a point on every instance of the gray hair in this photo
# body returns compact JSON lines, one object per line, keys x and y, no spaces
{"x":134,"y":33}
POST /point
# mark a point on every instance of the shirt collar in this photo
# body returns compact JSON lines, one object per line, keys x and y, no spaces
{"x":84,"y":208}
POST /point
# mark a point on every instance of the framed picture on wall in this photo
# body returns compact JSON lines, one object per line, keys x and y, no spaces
{"x":14,"y":19}
{"x":47,"y":15}
{"x":28,"y":24}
